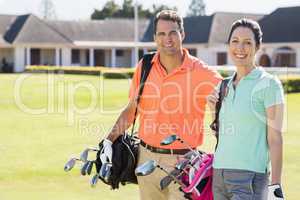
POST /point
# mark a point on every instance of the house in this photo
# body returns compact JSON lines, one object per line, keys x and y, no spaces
{"x":29,"y":40}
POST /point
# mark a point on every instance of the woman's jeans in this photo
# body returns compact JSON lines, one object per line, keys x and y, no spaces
{"x":234,"y":184}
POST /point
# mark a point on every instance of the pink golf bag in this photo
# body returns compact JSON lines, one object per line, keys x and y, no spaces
{"x":198,"y":179}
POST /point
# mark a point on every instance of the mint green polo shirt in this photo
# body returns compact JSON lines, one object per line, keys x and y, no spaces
{"x":243,"y":124}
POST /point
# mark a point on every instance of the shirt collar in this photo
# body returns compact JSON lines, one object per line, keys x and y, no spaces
{"x":187,"y":60}
{"x":254,"y":74}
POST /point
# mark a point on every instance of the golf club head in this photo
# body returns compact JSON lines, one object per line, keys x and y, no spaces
{"x":146,"y":168}
{"x":89,"y":168}
{"x":84,"y":155}
{"x":189,"y":155}
{"x":105,"y":171}
{"x":94,"y":180}
{"x":165,"y":182}
{"x":182,"y":164}
{"x":70,"y":164}
{"x":84,"y":168}
{"x":169,"y":140}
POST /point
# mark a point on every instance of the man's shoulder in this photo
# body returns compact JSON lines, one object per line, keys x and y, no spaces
{"x":200,"y":65}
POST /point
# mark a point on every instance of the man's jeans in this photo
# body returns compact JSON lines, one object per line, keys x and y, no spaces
{"x":234,"y":184}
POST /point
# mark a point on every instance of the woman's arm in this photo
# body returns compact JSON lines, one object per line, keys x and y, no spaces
{"x":274,"y":137}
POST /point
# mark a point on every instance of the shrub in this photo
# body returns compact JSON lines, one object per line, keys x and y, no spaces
{"x":291,"y":84}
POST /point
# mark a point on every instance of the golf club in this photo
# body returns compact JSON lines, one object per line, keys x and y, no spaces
{"x":87,"y":168}
{"x":165,"y":182}
{"x":172,"y":138}
{"x":180,"y":168}
{"x":85,"y":153}
{"x":105,"y":171}
{"x":94,"y":180}
{"x":149,"y":167}
{"x":70,"y":164}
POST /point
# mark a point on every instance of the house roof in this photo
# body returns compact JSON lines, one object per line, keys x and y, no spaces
{"x":213,"y":29}
{"x":5,"y":22}
{"x":222,"y":22}
{"x":31,"y":29}
{"x":282,"y":25}
{"x":192,"y":27}
{"x":100,"y":30}
{"x":206,"y":29}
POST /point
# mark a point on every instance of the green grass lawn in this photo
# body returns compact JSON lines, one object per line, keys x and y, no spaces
{"x":45,"y":119}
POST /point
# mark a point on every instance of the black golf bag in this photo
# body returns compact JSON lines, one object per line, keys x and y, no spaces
{"x":124,"y":160}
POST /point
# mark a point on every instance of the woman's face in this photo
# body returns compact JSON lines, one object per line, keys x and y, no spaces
{"x":242,"y":47}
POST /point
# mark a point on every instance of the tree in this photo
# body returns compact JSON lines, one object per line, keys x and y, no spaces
{"x":159,"y":8}
{"x":47,"y":9}
{"x":109,"y":9}
{"x":196,"y":8}
{"x":112,"y":10}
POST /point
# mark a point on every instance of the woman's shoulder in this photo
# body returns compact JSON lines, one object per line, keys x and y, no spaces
{"x":268,"y":80}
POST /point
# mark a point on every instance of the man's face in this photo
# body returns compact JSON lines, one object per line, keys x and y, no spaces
{"x":168,"y":37}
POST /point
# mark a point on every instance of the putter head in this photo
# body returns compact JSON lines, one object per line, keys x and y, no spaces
{"x":70,"y":164}
{"x":94,"y":180}
{"x":146,"y":168}
{"x":169,"y":140}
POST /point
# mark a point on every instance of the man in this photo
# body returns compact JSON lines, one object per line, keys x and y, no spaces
{"x":173,"y":101}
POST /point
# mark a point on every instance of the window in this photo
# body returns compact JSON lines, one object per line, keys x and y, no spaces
{"x":119,"y":52}
{"x":75,"y":56}
{"x":285,"y":57}
{"x":221,"y":58}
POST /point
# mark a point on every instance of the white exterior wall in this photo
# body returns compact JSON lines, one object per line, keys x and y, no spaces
{"x":107,"y":57}
{"x":298,"y":57}
{"x":125,"y":60}
{"x":19,"y":59}
{"x":83,"y":57}
{"x":204,"y":55}
{"x":66,"y":56}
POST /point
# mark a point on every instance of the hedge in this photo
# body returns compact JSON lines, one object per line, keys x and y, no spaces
{"x":128,"y":72}
{"x":291,"y":83}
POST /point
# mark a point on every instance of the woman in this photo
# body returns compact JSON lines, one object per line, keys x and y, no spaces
{"x":250,"y":123}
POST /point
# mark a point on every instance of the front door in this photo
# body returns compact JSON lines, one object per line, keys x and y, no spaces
{"x":35,"y":56}
{"x":99,"y":57}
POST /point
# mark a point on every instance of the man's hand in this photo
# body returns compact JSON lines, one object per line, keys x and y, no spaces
{"x":275,"y":192}
{"x":106,"y":153}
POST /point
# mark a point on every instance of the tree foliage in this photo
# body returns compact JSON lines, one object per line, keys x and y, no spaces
{"x":196,"y":8}
{"x":113,"y":10}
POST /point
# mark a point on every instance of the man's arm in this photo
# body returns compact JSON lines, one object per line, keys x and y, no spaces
{"x":124,"y":121}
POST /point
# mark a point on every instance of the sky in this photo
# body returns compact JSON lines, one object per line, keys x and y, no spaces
{"x":82,"y":9}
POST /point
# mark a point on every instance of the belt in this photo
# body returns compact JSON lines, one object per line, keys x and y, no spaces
{"x":164,"y":151}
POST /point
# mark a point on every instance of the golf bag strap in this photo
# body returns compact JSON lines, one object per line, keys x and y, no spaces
{"x":146,"y":67}
{"x":222,"y":93}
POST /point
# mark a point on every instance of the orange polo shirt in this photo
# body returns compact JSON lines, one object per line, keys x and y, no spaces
{"x":174,"y":103}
